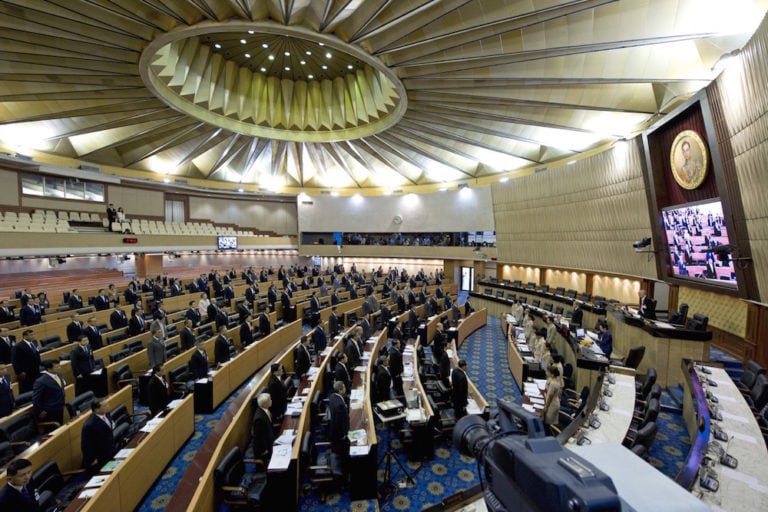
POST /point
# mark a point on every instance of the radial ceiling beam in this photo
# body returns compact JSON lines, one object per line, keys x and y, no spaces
{"x":398,"y":142}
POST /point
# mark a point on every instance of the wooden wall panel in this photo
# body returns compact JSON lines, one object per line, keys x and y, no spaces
{"x":727,"y":313}
{"x":584,"y":216}
{"x":743,"y":97}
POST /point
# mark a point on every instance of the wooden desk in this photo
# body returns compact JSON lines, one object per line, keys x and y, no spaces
{"x":128,"y":484}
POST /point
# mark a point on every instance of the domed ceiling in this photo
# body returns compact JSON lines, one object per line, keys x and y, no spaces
{"x":374,"y":95}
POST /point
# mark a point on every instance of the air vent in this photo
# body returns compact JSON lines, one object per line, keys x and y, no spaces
{"x":539,"y":169}
{"x":89,"y":168}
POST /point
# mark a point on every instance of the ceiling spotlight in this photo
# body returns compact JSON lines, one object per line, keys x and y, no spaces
{"x":271,"y":57}
{"x":321,"y":44}
{"x":243,"y":41}
{"x":303,"y":62}
{"x":324,"y":66}
{"x":251,"y":32}
{"x":240,"y":190}
{"x":287,"y":54}
{"x":247,"y":55}
{"x":166,"y":180}
{"x":571,"y":162}
{"x":504,"y":179}
{"x":310,"y":76}
{"x":328,"y":55}
{"x":349,"y":66}
{"x":217,"y":46}
{"x":264,"y":45}
{"x":287,"y":68}
{"x":263,"y":70}
{"x":308,"y":52}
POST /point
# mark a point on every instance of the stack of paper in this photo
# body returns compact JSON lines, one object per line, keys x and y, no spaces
{"x":111,"y":465}
{"x":281,"y":457}
{"x":294,"y":409}
{"x":286,"y":437}
{"x":151,"y":425}
{"x":357,"y":394}
{"x":174,"y":403}
{"x":358,"y":437}
{"x":472,"y":407}
{"x":124,"y":453}
{"x":96,"y":481}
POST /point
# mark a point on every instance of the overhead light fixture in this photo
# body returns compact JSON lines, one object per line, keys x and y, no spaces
{"x":251,"y":32}
{"x":241,"y":190}
{"x":247,"y":55}
{"x":243,"y":41}
{"x":321,"y":44}
{"x":324,"y":66}
{"x":271,"y":57}
{"x":166,"y":180}
{"x":503,"y":179}
{"x":571,"y":162}
{"x":264,"y":45}
{"x":263,"y":70}
{"x":642,"y":244}
{"x":217,"y":46}
{"x":287,"y":68}
{"x":310,"y":76}
{"x":462,"y":186}
{"x":287,"y":53}
{"x":350,"y":66}
{"x":723,"y":60}
{"x":328,"y":55}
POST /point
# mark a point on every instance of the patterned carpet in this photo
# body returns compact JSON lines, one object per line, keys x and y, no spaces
{"x":449,"y":472}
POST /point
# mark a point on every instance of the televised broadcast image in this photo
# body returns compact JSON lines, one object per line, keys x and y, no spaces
{"x":227,"y":242}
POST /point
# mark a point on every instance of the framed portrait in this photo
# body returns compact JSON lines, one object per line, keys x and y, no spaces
{"x":688,"y":159}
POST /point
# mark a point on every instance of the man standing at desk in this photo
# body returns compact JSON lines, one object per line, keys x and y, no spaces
{"x":198,"y":363}
{"x":48,"y":393}
{"x":18,"y":494}
{"x":460,"y":389}
{"x":396,"y":367}
{"x":261,"y":429}
{"x":301,"y":359}
{"x":277,"y":391}
{"x":82,"y":363}
{"x":646,"y":309}
{"x":156,"y":348}
{"x":221,"y":348}
{"x":158,"y":394}
{"x":577,"y":315}
{"x":338,"y":424}
{"x":96,"y":440}
{"x":26,"y":361}
{"x":341,"y":372}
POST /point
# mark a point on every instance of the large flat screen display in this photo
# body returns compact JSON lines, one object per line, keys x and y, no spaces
{"x":694,"y":232}
{"x":226,"y":243}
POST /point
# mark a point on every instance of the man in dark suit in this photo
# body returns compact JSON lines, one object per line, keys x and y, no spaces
{"x":82,"y":363}
{"x":383,"y":381}
{"x":158,"y":392}
{"x":335,"y":298}
{"x":198,"y":363}
{"x":468,"y":309}
{"x":271,"y":297}
{"x":605,"y":341}
{"x":246,"y":333}
{"x":130,"y":295}
{"x":96,"y":440}
{"x":101,"y":301}
{"x":338,"y":423}
{"x":365,"y":323}
{"x":193,"y":314}
{"x":74,"y":329}
{"x":118,"y":319}
{"x":460,"y":389}
{"x":215,"y":314}
{"x":94,"y":336}
{"x":277,"y":392}
{"x":158,"y":292}
{"x":176,"y":288}
{"x":187,"y":335}
{"x":6,"y":314}
{"x":156,"y":348}
{"x":75,"y":301}
{"x":242,"y":311}
{"x":18,"y":494}
{"x":6,"y":344}
{"x":26,"y":361}
{"x":333,"y":323}
{"x":48,"y":393}
{"x":319,"y":339}
{"x":136,"y":324}
{"x":285,"y":302}
{"x":578,"y":314}
{"x":352,"y":350}
{"x":646,"y":309}
{"x":28,"y":315}
{"x":264,"y":326}
{"x":341,"y":372}
{"x":7,"y":401}
{"x":301,"y":358}
{"x":221,"y":347}
{"x":251,"y":293}
{"x":401,"y":304}
{"x":314,"y":304}
{"x":396,"y":367}
{"x":261,"y":429}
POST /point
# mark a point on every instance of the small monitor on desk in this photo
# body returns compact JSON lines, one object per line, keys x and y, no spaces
{"x":579,"y":332}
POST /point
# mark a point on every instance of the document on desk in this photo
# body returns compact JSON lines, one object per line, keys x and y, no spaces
{"x":529,"y":408}
{"x":97,"y":372}
{"x":174,"y":403}
{"x":88,"y":493}
{"x":124,"y":453}
{"x":417,"y":415}
{"x":540,"y":383}
{"x":281,"y":458}
{"x":536,"y":401}
{"x":151,"y":425}
{"x":472,"y":407}
{"x":286,"y":437}
{"x":357,"y":394}
{"x":360,"y":369}
{"x":664,"y":325}
{"x":359,"y":450}
{"x":358,"y":437}
{"x":366,"y":355}
{"x":96,"y":481}
{"x":111,"y":465}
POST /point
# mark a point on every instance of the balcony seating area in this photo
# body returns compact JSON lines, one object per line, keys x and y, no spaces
{"x":40,"y":221}
{"x":153,"y":227}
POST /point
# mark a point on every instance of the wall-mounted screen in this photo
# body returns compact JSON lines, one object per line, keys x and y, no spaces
{"x":226,"y":243}
{"x":697,"y":241}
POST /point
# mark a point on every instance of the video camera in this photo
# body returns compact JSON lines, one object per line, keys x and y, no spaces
{"x":527,"y":471}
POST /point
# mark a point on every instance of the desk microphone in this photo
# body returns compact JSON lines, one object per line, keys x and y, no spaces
{"x":604,"y":405}
{"x":594,"y":422}
{"x":728,"y":460}
{"x":611,"y":379}
{"x":712,"y":398}
{"x":708,"y":479}
{"x":719,"y":433}
{"x":607,"y":391}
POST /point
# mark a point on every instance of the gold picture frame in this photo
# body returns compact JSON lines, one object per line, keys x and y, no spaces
{"x":689,"y":159}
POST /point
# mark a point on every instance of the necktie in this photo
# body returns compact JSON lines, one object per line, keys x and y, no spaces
{"x":26,"y":495}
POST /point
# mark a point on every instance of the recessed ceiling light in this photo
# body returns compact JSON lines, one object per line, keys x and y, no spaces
{"x":303,"y":62}
{"x":217,"y":46}
{"x":324,"y":66}
{"x":328,"y":55}
{"x":310,"y":76}
{"x":166,"y":180}
{"x":321,"y":44}
{"x":308,"y":52}
{"x":287,"y":54}
{"x":271,"y":57}
{"x":287,"y":68}
{"x":504,"y":179}
{"x":247,"y":55}
{"x":240,"y":190}
{"x":263,"y":70}
{"x":349,"y":66}
{"x":251,"y":32}
{"x":243,"y":41}
{"x":264,"y":45}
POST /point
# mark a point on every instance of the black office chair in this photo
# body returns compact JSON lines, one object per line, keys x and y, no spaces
{"x":758,"y":396}
{"x":114,"y":338}
{"x":681,"y":316}
{"x":117,"y":356}
{"x":650,"y":311}
{"x":650,"y":413}
{"x":179,"y":378}
{"x":321,"y":465}
{"x":698,"y":322}
{"x":55,"y":492}
{"x":236,"y":487}
{"x":123,"y":425}
{"x":23,"y":399}
{"x":633,"y":359}
{"x":21,"y":431}
{"x":748,"y":377}
{"x":134,"y":346}
{"x":573,"y":403}
{"x":642,"y":404}
{"x":6,"y":450}
{"x":641,"y":451}
{"x":123,"y":376}
{"x":80,"y":404}
{"x":644,"y":436}
{"x":643,"y":385}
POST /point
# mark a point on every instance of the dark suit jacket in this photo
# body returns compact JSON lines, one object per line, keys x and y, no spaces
{"x":333,"y":324}
{"x":383,"y":384}
{"x":5,"y":350}
{"x":314,"y":304}
{"x":74,"y":331}
{"x":158,"y":395}
{"x":243,"y":311}
{"x":194,"y":315}
{"x":279,"y":399}
{"x":460,"y":390}
{"x":319,"y":339}
{"x":6,"y":397}
{"x":75,"y":302}
{"x":96,"y":442}
{"x":94,"y":338}
{"x":445,"y":367}
{"x":395,"y":362}
{"x":221,"y":349}
{"x":606,"y":343}
{"x":353,"y":353}
{"x":187,"y":338}
{"x":301,"y":360}
{"x":117,"y":319}
{"x":25,"y":360}
{"x":576,"y":317}
{"x":48,"y":396}
{"x":271,"y":296}
{"x":342,"y":373}
{"x":264,"y":326}
{"x":82,"y":361}
{"x":28,"y":316}
{"x":101,"y":303}
{"x":198,"y":365}
{"x":250,"y":295}
{"x":135,"y":326}
{"x":338,"y":424}
{"x":11,"y":499}
{"x":130,"y":296}
{"x":261,"y":433}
